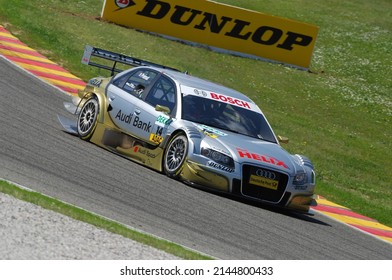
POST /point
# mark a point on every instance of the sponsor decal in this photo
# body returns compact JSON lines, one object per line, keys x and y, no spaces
{"x":124,"y":117}
{"x":221,"y":26}
{"x":243,"y":153}
{"x":136,"y":122}
{"x":142,"y":125}
{"x":156,"y":138}
{"x":95,"y":82}
{"x":144,"y":76}
{"x":302,"y":188}
{"x":163,"y":120}
{"x":230,"y":100}
{"x":131,"y":85}
{"x":220,"y":166}
{"x":144,"y":151}
{"x":210,"y":134}
{"x":124,"y":3}
{"x":185,"y":90}
{"x":263,"y":182}
{"x":210,"y":130}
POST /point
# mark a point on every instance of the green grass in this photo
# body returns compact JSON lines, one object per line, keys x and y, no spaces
{"x":98,"y":221}
{"x":339,"y":115}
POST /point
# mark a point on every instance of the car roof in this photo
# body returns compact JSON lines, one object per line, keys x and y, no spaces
{"x":198,"y":83}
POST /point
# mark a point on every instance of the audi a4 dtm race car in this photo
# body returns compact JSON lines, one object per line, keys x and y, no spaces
{"x":191,"y":129}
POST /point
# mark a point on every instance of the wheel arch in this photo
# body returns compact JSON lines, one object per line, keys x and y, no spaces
{"x":175,"y":133}
{"x":90,"y":92}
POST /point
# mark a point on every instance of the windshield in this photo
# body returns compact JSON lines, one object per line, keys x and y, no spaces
{"x":227,"y":117}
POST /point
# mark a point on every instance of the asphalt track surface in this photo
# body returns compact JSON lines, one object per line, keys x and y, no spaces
{"x":37,"y":153}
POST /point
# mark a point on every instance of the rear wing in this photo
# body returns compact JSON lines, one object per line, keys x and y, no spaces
{"x":90,"y":52}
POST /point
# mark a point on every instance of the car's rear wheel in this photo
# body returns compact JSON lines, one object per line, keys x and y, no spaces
{"x":87,"y":120}
{"x":175,"y":155}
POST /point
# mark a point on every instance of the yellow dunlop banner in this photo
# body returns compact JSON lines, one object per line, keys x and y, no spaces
{"x":223,"y":27}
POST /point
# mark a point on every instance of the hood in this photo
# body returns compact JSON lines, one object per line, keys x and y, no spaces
{"x":243,"y":149}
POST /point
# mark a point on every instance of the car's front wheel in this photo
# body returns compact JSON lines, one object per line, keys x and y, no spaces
{"x":87,"y":120}
{"x":175,"y":155}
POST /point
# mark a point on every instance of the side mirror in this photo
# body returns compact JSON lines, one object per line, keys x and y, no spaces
{"x":164,"y":109}
{"x":283,"y":140}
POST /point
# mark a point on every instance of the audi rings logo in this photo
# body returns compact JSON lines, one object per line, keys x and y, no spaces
{"x":266,"y":174}
{"x":200,"y":92}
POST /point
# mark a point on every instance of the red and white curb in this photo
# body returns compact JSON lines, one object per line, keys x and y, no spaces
{"x":345,"y":215}
{"x":37,"y":64}
{"x":32,"y":61}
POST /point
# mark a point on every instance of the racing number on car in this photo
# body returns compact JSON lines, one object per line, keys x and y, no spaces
{"x":159,"y":130}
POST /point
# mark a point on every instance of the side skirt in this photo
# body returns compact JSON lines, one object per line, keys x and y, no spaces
{"x":128,"y":146}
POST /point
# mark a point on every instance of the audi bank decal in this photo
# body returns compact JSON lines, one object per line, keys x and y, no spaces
{"x":220,"y":26}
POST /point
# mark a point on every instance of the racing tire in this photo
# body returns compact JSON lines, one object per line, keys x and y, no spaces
{"x":175,"y":155}
{"x":88,"y":118}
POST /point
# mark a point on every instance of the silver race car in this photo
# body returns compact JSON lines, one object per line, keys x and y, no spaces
{"x":199,"y":132}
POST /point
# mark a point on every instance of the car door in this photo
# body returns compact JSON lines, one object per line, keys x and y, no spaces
{"x":124,"y":96}
{"x":150,"y":123}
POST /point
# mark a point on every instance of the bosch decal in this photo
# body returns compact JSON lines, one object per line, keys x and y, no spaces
{"x":230,"y":100}
{"x":219,"y":98}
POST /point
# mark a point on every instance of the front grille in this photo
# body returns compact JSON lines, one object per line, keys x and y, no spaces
{"x":263,"y":183}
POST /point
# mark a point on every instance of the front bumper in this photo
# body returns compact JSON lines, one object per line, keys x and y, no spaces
{"x":201,"y":175}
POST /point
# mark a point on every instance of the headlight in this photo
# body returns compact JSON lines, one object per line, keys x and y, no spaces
{"x":300,"y":179}
{"x":218,"y":157}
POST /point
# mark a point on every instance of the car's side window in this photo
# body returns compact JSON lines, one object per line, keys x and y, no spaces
{"x":162,"y":93}
{"x":137,"y":82}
